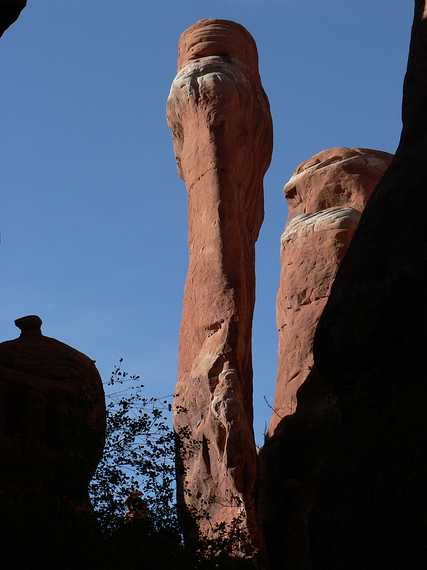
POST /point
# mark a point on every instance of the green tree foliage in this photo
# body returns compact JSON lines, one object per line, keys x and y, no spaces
{"x":133,"y":491}
{"x":139,"y":455}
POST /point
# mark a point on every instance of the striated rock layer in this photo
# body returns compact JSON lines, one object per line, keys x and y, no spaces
{"x":344,"y":476}
{"x":9,"y":13}
{"x":222,"y":133}
{"x":325,"y":196}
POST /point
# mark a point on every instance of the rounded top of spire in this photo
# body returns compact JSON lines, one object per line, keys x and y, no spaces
{"x":222,"y":38}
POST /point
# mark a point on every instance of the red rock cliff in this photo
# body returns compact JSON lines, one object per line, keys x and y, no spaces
{"x":325,"y":196}
{"x":222,"y":133}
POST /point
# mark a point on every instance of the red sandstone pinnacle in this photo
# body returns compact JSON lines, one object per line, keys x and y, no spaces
{"x":222,"y":131}
{"x":9,"y":13}
{"x":326,"y":196}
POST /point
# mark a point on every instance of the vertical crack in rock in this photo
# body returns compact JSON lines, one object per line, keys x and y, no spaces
{"x":222,"y":134}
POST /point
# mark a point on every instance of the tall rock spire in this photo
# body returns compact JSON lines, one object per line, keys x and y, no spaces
{"x":222,"y":133}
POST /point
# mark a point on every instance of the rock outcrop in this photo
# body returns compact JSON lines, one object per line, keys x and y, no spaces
{"x":9,"y":13}
{"x":325,"y":196}
{"x":222,"y":131}
{"x":344,"y":476}
{"x":368,"y":346}
{"x":52,"y":430}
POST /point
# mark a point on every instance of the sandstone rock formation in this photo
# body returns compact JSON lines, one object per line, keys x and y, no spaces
{"x":222,"y":130}
{"x":369,"y":347}
{"x":52,"y":430}
{"x":344,"y":476}
{"x":325,"y":196}
{"x":9,"y":13}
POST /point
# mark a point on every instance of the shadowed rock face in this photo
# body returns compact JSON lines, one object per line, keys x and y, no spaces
{"x":9,"y":13}
{"x":52,"y":430}
{"x":368,"y":347}
{"x":345,"y":475}
{"x":326,"y":196}
{"x":222,"y":132}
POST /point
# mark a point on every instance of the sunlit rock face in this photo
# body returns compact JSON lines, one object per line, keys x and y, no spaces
{"x":222,"y":133}
{"x":9,"y":13}
{"x":325,"y":196}
{"x":52,"y":431}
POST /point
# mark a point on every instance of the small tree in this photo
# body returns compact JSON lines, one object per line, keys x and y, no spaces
{"x":139,"y":455}
{"x":139,"y":461}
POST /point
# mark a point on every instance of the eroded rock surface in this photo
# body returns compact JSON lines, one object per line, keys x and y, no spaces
{"x":9,"y":13}
{"x":325,"y":196}
{"x":222,"y":131}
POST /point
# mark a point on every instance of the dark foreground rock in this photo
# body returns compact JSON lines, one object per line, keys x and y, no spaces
{"x":348,"y":469}
{"x":52,"y":430}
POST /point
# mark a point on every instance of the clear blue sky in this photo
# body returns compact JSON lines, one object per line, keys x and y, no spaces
{"x":93,"y":215}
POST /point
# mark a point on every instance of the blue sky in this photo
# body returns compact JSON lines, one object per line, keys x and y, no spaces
{"x":93,"y":216}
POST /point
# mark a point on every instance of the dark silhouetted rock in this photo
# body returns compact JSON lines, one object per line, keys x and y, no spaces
{"x":52,"y":430}
{"x":348,"y":470}
{"x":368,"y":347}
{"x":221,"y":124}
{"x":9,"y":13}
